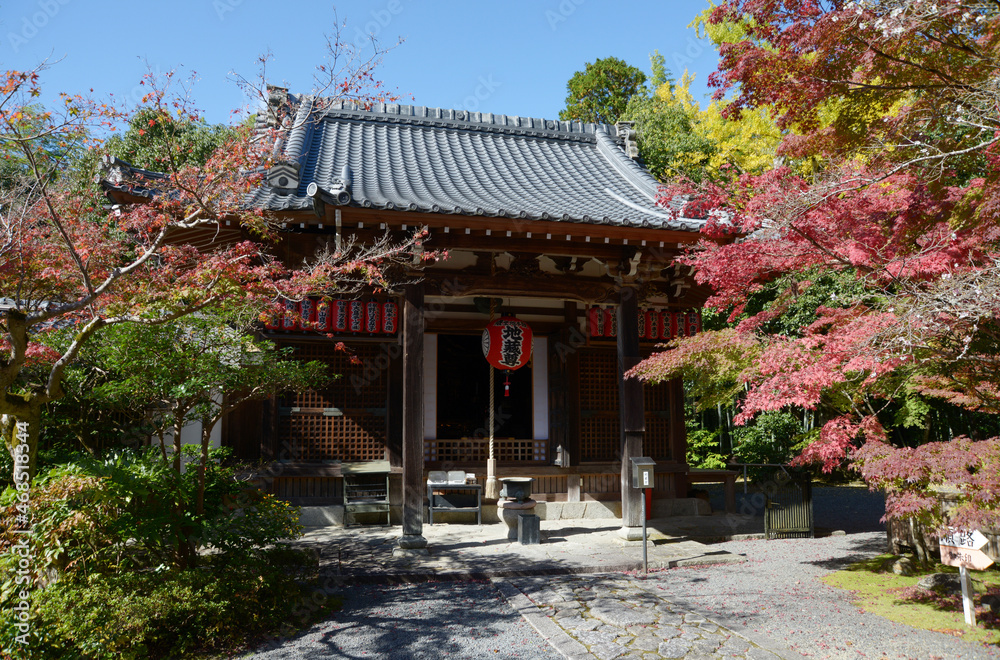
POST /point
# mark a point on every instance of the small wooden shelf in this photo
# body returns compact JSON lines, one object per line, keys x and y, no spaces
{"x":366,"y":490}
{"x":467,"y":498}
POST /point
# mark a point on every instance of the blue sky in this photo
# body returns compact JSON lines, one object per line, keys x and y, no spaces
{"x":510,"y":57}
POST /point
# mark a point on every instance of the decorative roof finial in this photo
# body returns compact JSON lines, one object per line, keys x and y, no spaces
{"x":628,"y":138}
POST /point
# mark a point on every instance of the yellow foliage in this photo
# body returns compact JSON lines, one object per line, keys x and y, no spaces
{"x":748,"y":144}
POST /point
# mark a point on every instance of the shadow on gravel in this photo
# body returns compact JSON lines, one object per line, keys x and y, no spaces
{"x":860,"y":550}
{"x":429,"y":620}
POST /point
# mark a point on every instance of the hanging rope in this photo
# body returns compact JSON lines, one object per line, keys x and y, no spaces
{"x":492,"y":490}
{"x":493,"y":308}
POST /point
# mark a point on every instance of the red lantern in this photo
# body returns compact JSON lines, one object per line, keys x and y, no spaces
{"x":596,"y":315}
{"x":507,"y":345}
{"x":340,"y":315}
{"x":653,"y":324}
{"x":291,"y":317}
{"x":640,"y":322}
{"x":665,"y":324}
{"x":681,"y":319}
{"x":307,"y":309}
{"x":611,"y":322}
{"x":390,"y":315}
{"x":356,"y":316}
{"x":272,"y":318}
{"x":694,"y":324}
{"x":372,"y":313}
{"x":324,"y":315}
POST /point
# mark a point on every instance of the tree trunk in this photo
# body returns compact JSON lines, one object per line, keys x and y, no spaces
{"x":184,"y":555}
{"x":26,"y":416}
{"x":178,"y":427}
{"x":206,"y":436}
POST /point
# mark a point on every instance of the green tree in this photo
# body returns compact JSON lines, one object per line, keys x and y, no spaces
{"x":680,"y":140}
{"x":157,"y":141}
{"x":666,"y":122}
{"x":600,"y":93}
{"x":197,"y":370}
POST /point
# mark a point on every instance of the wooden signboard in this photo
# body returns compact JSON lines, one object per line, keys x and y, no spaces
{"x":964,"y":549}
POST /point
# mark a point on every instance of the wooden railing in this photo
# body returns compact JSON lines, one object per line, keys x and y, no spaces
{"x":476,"y":450}
{"x":320,"y":483}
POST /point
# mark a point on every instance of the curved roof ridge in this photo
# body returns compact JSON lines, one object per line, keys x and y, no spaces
{"x":642,"y":180}
{"x":457,"y":118}
{"x":300,"y":131}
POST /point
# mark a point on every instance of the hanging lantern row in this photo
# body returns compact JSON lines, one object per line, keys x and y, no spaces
{"x":369,"y":317}
{"x":507,"y":345}
{"x":654,"y":324}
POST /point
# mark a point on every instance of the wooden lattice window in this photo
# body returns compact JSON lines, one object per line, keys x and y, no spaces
{"x":600,"y":424}
{"x":600,"y":420}
{"x":656,"y":440}
{"x":346,"y":419}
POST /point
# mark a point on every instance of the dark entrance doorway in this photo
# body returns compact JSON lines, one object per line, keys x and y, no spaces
{"x":463,"y":393}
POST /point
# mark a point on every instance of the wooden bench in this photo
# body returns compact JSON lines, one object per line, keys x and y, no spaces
{"x":726,"y":477}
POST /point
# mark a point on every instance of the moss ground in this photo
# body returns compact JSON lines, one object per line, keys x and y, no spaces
{"x":880,"y":591}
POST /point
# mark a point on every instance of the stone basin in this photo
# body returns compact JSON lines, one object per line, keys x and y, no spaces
{"x":516,"y":488}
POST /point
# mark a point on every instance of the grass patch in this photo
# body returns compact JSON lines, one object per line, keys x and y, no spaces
{"x":898,"y":598}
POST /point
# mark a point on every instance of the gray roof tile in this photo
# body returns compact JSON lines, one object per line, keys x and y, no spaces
{"x":435,"y":160}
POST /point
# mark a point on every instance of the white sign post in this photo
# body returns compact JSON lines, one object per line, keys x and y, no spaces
{"x":964,"y":549}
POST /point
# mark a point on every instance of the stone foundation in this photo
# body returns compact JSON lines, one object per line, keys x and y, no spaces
{"x":322,"y":516}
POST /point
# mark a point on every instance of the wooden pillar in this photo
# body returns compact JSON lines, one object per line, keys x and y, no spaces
{"x":564,"y":389}
{"x":678,"y":435}
{"x":633,"y":417}
{"x":572,"y":487}
{"x":394,"y":410}
{"x":575,"y":341}
{"x":413,"y":420}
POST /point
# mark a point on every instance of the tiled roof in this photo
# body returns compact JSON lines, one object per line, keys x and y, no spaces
{"x":412,"y":158}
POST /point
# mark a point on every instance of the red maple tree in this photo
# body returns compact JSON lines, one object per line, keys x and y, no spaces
{"x":68,"y":258}
{"x":889,"y":171}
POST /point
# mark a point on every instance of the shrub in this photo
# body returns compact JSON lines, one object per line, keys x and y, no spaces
{"x":167,"y":614}
{"x":703,"y":450}
{"x":772,"y":437}
{"x":115,"y":570}
{"x":133,"y":511}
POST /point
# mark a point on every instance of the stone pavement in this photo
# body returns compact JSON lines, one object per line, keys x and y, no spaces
{"x":615,"y":616}
{"x":582,"y":588}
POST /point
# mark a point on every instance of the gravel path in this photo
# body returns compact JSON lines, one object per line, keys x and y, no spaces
{"x":429,"y":620}
{"x":774,"y":598}
{"x":776,"y":594}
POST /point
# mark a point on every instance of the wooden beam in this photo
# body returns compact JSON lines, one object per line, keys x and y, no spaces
{"x":633,"y":418}
{"x":413,"y":418}
{"x":539,"y":244}
{"x":558,"y":229}
{"x":476,"y":326}
{"x":506,"y":284}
